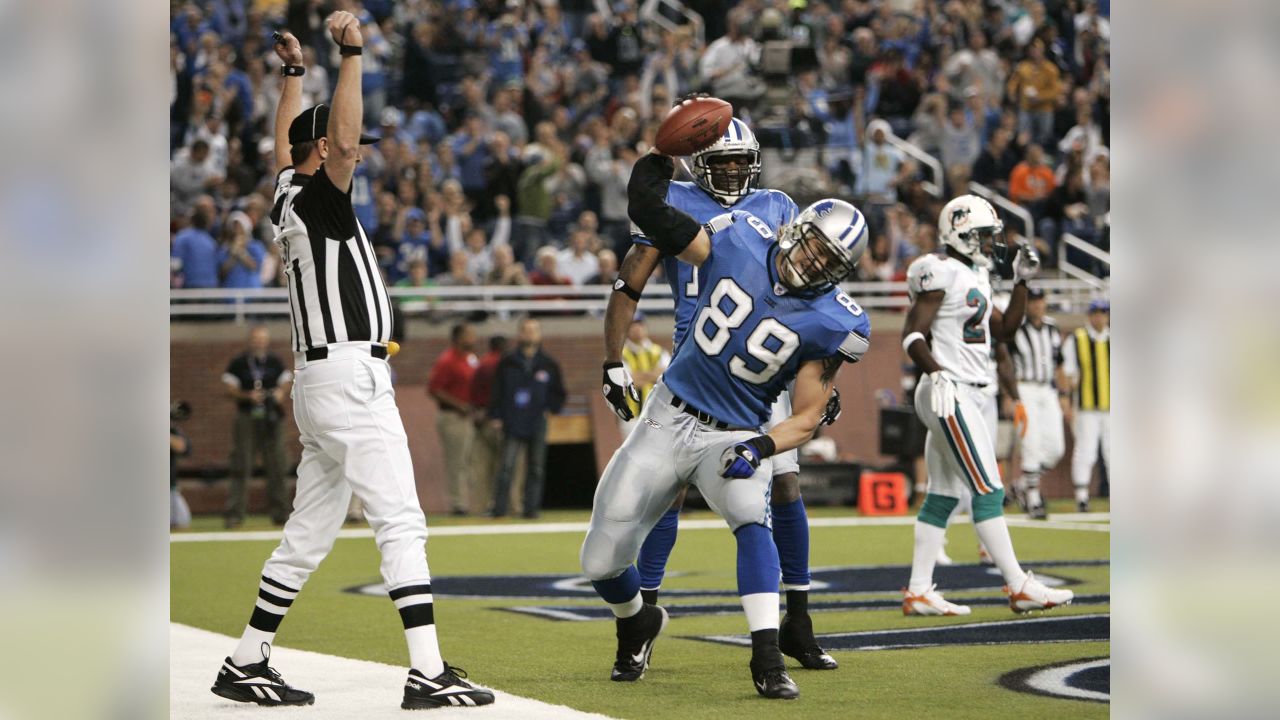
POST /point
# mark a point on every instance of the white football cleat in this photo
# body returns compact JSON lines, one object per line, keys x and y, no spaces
{"x":1035,"y":595}
{"x":943,"y":557}
{"x":984,"y":557}
{"x":930,"y":602}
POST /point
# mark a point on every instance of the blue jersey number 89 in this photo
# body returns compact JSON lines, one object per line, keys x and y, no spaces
{"x":786,"y":338}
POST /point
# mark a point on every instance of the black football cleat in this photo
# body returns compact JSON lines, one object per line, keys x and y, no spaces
{"x":448,"y":689}
{"x":1082,"y":506}
{"x":636,"y":636}
{"x":1038,"y":513}
{"x":771,"y":679}
{"x":257,"y":683}
{"x":795,"y":639}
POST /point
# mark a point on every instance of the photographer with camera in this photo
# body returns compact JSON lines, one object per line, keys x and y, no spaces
{"x":257,"y":381}
{"x":179,"y":446}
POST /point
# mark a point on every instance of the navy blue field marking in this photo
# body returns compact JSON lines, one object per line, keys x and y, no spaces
{"x":595,"y":612}
{"x":1056,"y":629}
{"x":1087,"y":679}
{"x":841,"y":580}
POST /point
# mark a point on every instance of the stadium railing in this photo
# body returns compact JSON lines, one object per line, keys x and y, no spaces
{"x":1022,"y":214}
{"x":933,"y":187}
{"x":507,"y":301}
{"x":1068,"y":242}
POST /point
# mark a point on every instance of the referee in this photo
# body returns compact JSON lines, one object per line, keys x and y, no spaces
{"x":349,"y":425}
{"x":1037,"y":360}
{"x":1086,"y":359}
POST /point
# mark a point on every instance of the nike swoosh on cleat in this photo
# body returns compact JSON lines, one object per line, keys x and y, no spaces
{"x":639,"y":657}
{"x":760,"y":685}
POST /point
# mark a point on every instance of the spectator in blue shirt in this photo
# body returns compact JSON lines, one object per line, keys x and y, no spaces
{"x":239,"y":257}
{"x":194,"y":249}
{"x":472,"y":153}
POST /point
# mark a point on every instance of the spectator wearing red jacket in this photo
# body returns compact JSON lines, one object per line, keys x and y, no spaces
{"x":488,"y":440}
{"x":450,"y":386}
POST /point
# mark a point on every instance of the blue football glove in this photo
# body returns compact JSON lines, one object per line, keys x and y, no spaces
{"x":740,"y":460}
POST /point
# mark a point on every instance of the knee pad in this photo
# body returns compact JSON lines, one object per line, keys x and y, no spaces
{"x":986,"y":507}
{"x":936,"y":509}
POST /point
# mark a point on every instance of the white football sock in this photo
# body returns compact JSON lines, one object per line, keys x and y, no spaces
{"x":250,"y":650}
{"x":628,"y":608}
{"x":929,"y":540}
{"x":761,"y":610}
{"x":994,"y":535}
{"x":1033,"y":498}
{"x":424,"y":650}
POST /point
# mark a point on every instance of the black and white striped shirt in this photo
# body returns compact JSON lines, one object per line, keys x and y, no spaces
{"x":336,"y":292}
{"x":1037,"y":351}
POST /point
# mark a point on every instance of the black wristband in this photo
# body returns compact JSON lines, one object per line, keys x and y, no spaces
{"x":764,"y":445}
{"x":349,"y":50}
{"x":292,"y":71}
{"x":621,"y":286}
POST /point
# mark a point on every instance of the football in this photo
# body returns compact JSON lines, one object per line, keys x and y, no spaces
{"x":693,"y":125}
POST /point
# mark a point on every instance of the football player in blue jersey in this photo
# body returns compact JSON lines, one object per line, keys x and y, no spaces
{"x":726,"y":176}
{"x":768,"y":314}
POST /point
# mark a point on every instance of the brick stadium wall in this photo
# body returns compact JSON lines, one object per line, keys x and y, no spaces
{"x":199,"y":353}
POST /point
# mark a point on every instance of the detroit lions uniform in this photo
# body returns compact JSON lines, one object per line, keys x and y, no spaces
{"x":775,"y":209}
{"x":959,"y":452}
{"x":744,"y":345}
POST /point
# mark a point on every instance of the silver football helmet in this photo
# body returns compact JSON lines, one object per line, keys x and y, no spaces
{"x":714,"y":170}
{"x":822,"y":247}
{"x":970,"y":226}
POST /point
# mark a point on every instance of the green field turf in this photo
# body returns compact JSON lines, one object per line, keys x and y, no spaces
{"x":213,"y":585}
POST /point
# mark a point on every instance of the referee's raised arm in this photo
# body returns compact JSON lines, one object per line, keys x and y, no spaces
{"x":290,"y":105}
{"x":348,"y":106}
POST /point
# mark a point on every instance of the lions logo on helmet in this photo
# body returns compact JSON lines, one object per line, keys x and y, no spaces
{"x":822,"y":247}
{"x":729,"y":169}
{"x":970,"y":226}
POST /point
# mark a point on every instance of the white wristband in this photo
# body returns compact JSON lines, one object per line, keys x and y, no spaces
{"x":908,"y":340}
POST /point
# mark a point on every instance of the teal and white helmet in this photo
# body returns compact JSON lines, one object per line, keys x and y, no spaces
{"x":713,"y":172}
{"x":970,"y":226}
{"x":822,"y":247}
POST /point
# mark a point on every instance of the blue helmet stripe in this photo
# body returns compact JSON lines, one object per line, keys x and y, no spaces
{"x":732,"y":132}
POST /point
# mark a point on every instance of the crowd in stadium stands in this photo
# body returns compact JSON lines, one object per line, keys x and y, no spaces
{"x":509,"y":126}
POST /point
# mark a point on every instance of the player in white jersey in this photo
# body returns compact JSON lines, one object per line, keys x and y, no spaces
{"x":951,"y":303}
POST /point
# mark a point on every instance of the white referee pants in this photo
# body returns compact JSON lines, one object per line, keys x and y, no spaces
{"x":352,"y":441}
{"x":1045,"y":442}
{"x":1092,"y":428}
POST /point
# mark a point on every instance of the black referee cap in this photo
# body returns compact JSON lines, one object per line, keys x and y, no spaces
{"x":313,"y":123}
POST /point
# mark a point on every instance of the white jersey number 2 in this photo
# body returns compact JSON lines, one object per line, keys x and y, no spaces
{"x":785,"y":339}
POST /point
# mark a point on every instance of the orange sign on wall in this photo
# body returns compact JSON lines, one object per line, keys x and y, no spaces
{"x":882,"y":493}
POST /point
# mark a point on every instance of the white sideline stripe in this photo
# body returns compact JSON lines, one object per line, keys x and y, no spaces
{"x":344,"y":688}
{"x":1091,"y":522}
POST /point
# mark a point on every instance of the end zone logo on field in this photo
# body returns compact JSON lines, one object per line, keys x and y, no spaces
{"x":1088,"y":679}
{"x":861,"y":580}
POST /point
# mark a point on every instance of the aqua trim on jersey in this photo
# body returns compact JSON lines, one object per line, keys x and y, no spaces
{"x":773,"y":207}
{"x":748,"y":338}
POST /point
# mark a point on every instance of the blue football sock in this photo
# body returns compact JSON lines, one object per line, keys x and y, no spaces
{"x":656,"y":549}
{"x":620,"y":589}
{"x":757,"y":561}
{"x":791,"y":533}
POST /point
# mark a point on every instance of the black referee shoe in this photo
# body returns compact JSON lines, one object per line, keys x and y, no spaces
{"x":447,"y":689}
{"x":257,"y":683}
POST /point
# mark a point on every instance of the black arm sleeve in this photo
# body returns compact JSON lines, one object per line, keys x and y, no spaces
{"x":669,"y":229}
